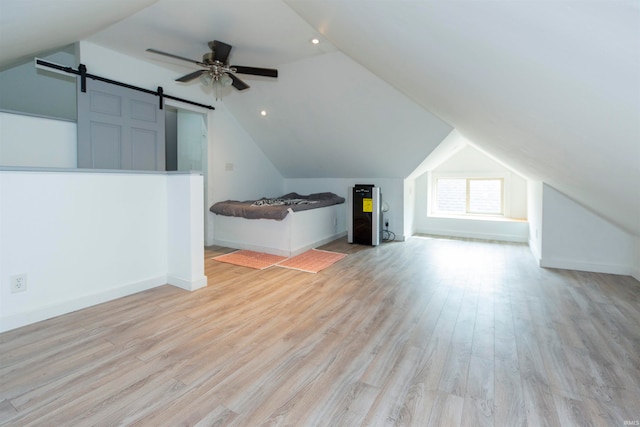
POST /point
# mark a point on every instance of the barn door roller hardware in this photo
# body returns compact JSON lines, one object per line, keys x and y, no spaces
{"x":82,"y":72}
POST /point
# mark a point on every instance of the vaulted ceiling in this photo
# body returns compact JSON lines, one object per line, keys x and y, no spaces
{"x":551,"y":88}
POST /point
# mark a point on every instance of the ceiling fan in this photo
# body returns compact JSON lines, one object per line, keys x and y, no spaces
{"x":216,"y":68}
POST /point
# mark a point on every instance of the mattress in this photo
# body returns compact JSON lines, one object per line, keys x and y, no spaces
{"x":275,"y":208}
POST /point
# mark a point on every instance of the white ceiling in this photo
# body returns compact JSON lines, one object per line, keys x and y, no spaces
{"x":551,"y":88}
{"x":28,"y":27}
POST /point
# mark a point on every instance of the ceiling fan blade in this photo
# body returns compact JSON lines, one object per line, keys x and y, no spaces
{"x":171,"y":55}
{"x":191,"y":76}
{"x":237,"y":83}
{"x":221,"y":51}
{"x":266,"y":72}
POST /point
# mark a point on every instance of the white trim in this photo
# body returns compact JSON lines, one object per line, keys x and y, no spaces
{"x":623,"y":270}
{"x":250,"y":247}
{"x":187,"y":285}
{"x":39,"y":116}
{"x":514,"y":238}
{"x":278,"y":251}
{"x":13,"y":321}
{"x":534,"y":250}
{"x":433,"y":193}
{"x":301,"y":249}
{"x":478,"y":217}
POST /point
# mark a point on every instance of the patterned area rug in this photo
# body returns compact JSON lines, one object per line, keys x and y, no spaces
{"x":251,"y":259}
{"x":312,"y":260}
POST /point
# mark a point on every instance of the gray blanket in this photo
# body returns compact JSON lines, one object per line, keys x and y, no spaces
{"x":275,"y":208}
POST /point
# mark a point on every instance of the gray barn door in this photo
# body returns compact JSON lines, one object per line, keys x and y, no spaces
{"x":119,"y":128}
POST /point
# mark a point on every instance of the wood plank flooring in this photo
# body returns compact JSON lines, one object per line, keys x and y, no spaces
{"x":427,"y":332}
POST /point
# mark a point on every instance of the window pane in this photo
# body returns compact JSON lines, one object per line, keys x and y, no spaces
{"x":485,"y":196}
{"x":451,"y":195}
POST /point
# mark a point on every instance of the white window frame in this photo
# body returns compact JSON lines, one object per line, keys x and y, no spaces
{"x":470,"y":212}
{"x":468,"y":177}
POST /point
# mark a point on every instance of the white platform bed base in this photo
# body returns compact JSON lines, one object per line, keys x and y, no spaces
{"x":296,"y":233}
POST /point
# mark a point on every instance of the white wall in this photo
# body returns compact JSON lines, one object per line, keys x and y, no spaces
{"x":85,"y":238}
{"x":635,"y":268}
{"x":238,"y":169}
{"x":409,"y":207}
{"x":185,"y":219}
{"x":127,"y":69}
{"x":26,"y":89}
{"x":37,"y":142}
{"x":392,"y":193}
{"x":576,"y":238}
{"x":253,"y":174}
{"x":468,"y":161}
{"x":534,"y":216}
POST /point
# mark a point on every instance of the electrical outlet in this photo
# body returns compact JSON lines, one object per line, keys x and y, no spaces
{"x":19,"y":283}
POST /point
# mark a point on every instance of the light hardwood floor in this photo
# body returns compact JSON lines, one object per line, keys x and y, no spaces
{"x":428,"y":332}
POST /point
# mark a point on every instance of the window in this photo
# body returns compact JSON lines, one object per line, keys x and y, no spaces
{"x":451,"y":195}
{"x":477,"y":196}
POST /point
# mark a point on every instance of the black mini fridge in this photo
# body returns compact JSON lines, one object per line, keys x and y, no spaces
{"x":364,"y":218}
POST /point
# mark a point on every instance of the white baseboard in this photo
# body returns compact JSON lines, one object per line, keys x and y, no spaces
{"x":250,"y":247}
{"x":187,"y":285}
{"x":623,"y":270}
{"x":536,"y":254}
{"x":279,"y":251}
{"x":298,"y":251}
{"x":13,"y":321}
{"x":512,"y":238}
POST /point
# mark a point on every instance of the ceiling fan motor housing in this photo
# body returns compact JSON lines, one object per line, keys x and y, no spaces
{"x":209,"y":58}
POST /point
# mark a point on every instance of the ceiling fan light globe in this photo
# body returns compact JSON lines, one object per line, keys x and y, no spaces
{"x":206,"y":79}
{"x":225,"y":80}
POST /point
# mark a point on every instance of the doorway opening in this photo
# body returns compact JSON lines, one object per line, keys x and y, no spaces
{"x":187,"y":145}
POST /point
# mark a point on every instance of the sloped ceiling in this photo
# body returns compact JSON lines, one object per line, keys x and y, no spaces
{"x":327,"y":116}
{"x":551,"y":88}
{"x":30,"y":27}
{"x":333,"y":118}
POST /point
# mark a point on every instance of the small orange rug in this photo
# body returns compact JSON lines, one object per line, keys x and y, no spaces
{"x":251,"y":259}
{"x":312,"y":260}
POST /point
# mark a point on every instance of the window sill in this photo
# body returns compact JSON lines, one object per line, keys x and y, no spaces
{"x":478,"y":218}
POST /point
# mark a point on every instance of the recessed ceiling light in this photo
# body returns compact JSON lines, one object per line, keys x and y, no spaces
{"x":263,"y":112}
{"x":315,"y":41}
